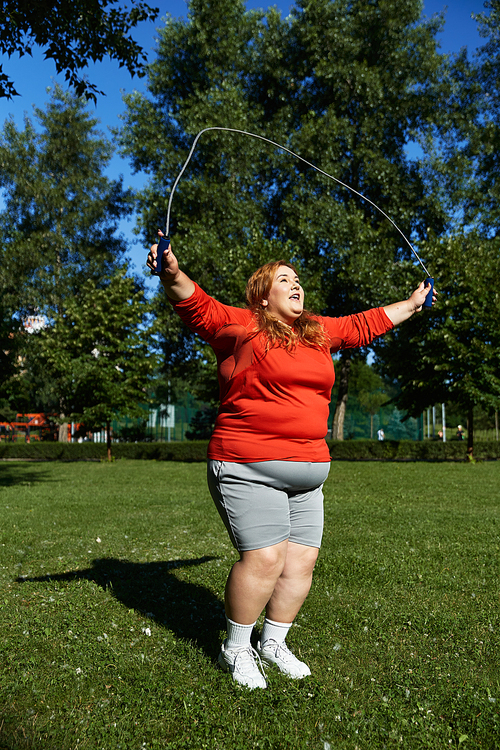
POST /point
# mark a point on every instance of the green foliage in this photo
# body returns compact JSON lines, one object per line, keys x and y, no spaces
{"x":484,"y":141}
{"x":73,"y":34}
{"x":57,"y":228}
{"x":369,"y":388}
{"x":399,"y":429}
{"x":196,"y":451}
{"x":95,"y":355}
{"x":191,"y":451}
{"x":58,"y":249}
{"x":6,"y":413}
{"x":134,"y":433}
{"x":452,"y":353}
{"x":9,"y":354}
{"x":453,"y":349}
{"x":345,"y":85}
{"x":410,"y":450}
{"x":202,"y":424}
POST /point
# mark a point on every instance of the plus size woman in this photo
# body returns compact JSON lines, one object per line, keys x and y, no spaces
{"x":267,"y":457}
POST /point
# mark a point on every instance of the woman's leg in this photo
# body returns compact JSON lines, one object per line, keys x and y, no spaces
{"x":292,"y":587}
{"x":276,"y":577}
{"x":279,"y":577}
{"x":252,"y":581}
{"x":249,"y":586}
{"x":287,"y":598}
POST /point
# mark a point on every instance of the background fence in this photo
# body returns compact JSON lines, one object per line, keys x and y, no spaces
{"x":170,"y":422}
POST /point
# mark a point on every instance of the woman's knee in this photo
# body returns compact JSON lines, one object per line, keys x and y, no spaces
{"x":267,"y":562}
{"x":300,"y":560}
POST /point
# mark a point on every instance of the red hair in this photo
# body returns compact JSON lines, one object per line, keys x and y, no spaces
{"x":306,"y":329}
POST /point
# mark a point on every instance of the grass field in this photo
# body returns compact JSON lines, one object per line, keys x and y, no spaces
{"x":111,"y":614}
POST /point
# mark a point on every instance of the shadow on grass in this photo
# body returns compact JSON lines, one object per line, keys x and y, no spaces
{"x":189,"y":610}
{"x":16,"y":475}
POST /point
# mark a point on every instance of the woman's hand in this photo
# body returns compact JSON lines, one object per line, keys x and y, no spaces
{"x":177,"y":285}
{"x":417,"y":299}
{"x":401,"y":311}
{"x":170,"y":266}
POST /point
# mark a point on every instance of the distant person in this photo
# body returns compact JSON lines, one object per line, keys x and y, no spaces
{"x":381,"y":434}
{"x":267,"y":457}
{"x":460,"y":432}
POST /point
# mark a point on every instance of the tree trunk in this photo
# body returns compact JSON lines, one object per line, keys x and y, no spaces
{"x":340,"y":409}
{"x":108,"y":439}
{"x":63,"y":430}
{"x":470,"y":432}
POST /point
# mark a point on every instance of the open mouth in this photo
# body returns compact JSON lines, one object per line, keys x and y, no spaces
{"x":295,"y":297}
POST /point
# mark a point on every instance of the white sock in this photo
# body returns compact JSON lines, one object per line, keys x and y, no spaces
{"x":238,"y":636}
{"x":274,"y":631}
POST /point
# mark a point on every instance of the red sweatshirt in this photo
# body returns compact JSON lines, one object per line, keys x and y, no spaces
{"x":274,"y":405}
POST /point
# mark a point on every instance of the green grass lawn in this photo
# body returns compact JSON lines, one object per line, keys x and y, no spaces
{"x":111,"y":613}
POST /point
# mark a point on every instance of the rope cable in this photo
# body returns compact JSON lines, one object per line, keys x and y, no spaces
{"x":292,"y":153}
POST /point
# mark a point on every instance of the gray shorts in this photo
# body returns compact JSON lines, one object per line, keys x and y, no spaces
{"x":266,"y":502}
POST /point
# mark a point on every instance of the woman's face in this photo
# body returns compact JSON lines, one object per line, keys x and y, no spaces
{"x":286,"y":297}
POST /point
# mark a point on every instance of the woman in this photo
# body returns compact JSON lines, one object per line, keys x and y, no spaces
{"x":267,"y":458}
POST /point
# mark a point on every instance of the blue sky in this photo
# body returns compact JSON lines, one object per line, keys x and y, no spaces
{"x":32,"y":76}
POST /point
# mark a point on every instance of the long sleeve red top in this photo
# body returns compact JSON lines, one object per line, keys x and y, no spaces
{"x":274,"y":405}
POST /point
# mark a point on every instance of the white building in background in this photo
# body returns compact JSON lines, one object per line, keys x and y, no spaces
{"x":34,"y":323}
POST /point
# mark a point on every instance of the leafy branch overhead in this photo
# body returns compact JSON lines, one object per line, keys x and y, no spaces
{"x":73,"y":33}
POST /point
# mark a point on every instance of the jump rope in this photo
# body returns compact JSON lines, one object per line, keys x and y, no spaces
{"x":165,"y":240}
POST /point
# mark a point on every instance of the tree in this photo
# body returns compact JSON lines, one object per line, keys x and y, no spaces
{"x":370,"y":389}
{"x":452,"y":351}
{"x":483,"y":143}
{"x":202,"y":424}
{"x":8,"y":354}
{"x":347,"y":85}
{"x":58,"y":224}
{"x":95,"y":353}
{"x":72,"y":34}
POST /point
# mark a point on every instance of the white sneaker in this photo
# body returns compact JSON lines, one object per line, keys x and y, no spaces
{"x":273,"y":652}
{"x":242,"y":663}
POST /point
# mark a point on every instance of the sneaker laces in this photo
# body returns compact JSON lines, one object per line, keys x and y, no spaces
{"x":250,"y":658}
{"x":286,"y":654}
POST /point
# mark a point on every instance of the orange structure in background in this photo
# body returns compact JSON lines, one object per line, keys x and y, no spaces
{"x":25,"y":423}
